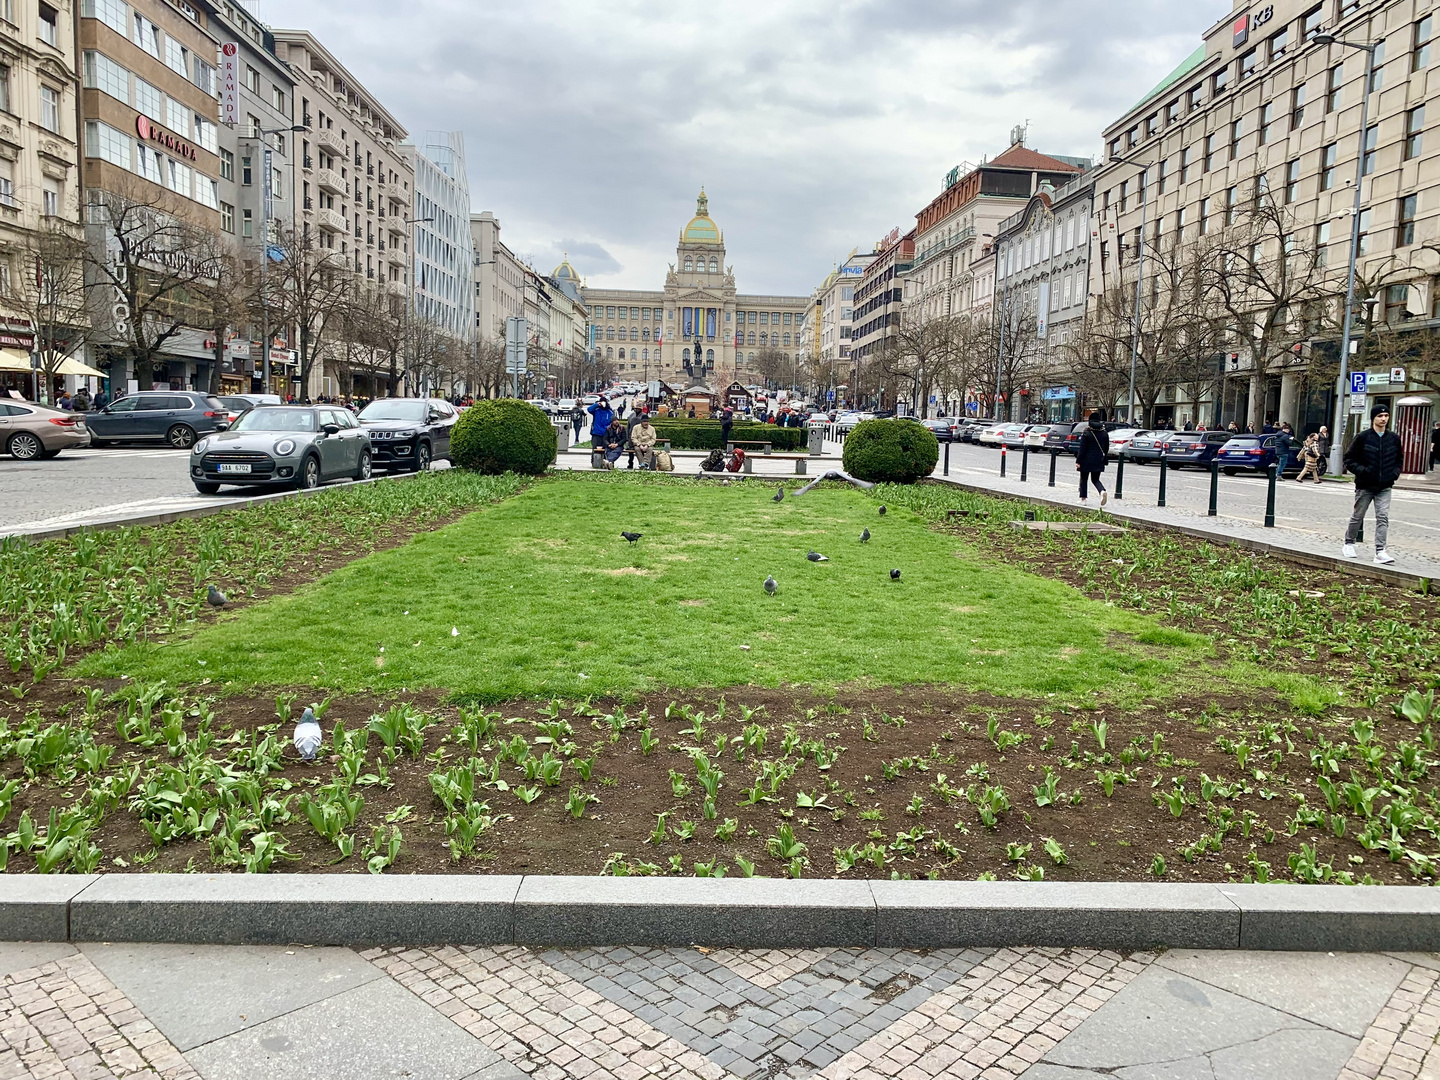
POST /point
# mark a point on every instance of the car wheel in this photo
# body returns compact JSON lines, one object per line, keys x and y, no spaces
{"x":25,"y":447}
{"x":363,"y":472}
{"x":422,"y":457}
{"x":207,"y":489}
{"x":1229,"y":471}
{"x":310,"y":473}
{"x":181,"y":436}
{"x":1175,"y":465}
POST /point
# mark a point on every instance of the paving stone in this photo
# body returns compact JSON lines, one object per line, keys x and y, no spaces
{"x":19,"y":955}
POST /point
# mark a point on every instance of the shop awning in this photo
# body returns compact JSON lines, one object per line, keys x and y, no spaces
{"x":14,"y":360}
{"x":71,"y":366}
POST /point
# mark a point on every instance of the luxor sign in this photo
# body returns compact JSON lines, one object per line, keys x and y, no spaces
{"x":149,"y":131}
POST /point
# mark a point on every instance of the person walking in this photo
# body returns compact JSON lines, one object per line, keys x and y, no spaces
{"x":81,"y":402}
{"x":1092,"y":455}
{"x":1284,"y":448}
{"x":727,"y":421}
{"x":1375,"y":458}
{"x":1435,"y":446}
{"x":1324,"y":444}
{"x":642,"y":438}
{"x":577,"y":421}
{"x":1310,"y":457}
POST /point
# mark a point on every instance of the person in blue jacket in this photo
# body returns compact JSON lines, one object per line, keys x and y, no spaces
{"x":600,"y":416}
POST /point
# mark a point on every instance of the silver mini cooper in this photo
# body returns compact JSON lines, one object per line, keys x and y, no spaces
{"x":283,"y":446}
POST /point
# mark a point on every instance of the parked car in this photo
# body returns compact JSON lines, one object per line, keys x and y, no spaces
{"x":283,"y":446}
{"x":943,"y":430}
{"x":971,"y":430}
{"x":409,"y":433}
{"x":235,"y":404}
{"x":1252,"y":453}
{"x":1036,"y":434}
{"x":1193,"y":447}
{"x":174,"y":417}
{"x":1145,"y":446}
{"x":30,"y":432}
{"x":1121,"y":438}
{"x":993,"y":435}
{"x":1059,"y":436}
{"x":1013,"y":436}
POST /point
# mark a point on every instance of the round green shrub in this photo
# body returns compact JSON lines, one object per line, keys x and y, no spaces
{"x":503,"y":435}
{"x":890,"y":451}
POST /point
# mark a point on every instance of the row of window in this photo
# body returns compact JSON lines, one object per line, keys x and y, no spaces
{"x":714,"y":264}
{"x":1063,"y":236}
{"x":49,"y":101}
{"x":103,"y":73}
{"x":1421,"y":40}
{"x":173,"y":53}
{"x":753,"y":318}
{"x":105,"y":142}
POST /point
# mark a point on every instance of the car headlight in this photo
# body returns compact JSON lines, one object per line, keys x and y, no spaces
{"x":285,"y":447}
{"x":201,"y":445}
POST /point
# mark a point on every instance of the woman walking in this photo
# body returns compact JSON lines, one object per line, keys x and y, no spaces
{"x":1310,"y":457}
{"x":1092,"y":455}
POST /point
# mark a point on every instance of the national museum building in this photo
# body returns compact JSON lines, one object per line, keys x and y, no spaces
{"x":698,"y":327}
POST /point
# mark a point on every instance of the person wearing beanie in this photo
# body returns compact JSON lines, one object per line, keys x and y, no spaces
{"x":1374,"y":458}
{"x":1092,"y":455}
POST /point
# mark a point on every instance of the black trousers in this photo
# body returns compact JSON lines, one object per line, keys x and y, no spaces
{"x":1089,"y":477}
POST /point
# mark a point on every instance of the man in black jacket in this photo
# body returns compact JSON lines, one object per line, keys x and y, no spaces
{"x":1375,"y":458}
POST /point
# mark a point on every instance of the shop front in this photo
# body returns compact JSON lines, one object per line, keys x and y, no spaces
{"x":1059,"y":403}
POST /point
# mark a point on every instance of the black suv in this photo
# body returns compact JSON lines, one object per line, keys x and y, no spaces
{"x":409,"y":433}
{"x":174,"y":417}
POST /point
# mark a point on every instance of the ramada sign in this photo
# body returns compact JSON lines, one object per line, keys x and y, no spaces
{"x":150,"y":131}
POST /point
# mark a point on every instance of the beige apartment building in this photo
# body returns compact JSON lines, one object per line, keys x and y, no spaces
{"x":1261,"y":107}
{"x":39,"y":160}
{"x":356,"y":187}
{"x":499,"y":278}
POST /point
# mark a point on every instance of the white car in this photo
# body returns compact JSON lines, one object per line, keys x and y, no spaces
{"x":992,"y":435}
{"x":1120,"y":439}
{"x":1035,"y":437}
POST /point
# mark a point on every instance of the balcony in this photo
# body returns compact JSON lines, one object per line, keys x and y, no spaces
{"x":329,"y":220}
{"x":381,"y":244}
{"x":329,"y":180}
{"x":369,"y":170}
{"x":395,"y":257}
{"x":328,"y":139}
{"x":369,"y":204}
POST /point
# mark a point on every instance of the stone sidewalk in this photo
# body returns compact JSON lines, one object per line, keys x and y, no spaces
{"x":505,"y":1013}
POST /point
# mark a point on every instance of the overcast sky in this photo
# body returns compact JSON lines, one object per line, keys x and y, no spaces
{"x":815,"y":127}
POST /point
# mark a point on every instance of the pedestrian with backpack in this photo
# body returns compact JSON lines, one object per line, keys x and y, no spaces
{"x":1092,"y":455}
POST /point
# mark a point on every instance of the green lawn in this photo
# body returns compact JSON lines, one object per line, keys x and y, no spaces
{"x":547,"y":599}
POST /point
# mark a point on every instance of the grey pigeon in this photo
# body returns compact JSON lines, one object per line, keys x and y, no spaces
{"x":632,"y":536}
{"x":307,"y":735}
{"x":882,"y":509}
{"x":865,"y":536}
{"x":779,"y":495}
{"x":815,"y":556}
{"x":771,"y":585}
{"x":894,"y":575}
{"x":215,"y":597}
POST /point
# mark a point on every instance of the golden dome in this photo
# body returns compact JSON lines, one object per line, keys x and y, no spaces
{"x":565,"y":272}
{"x":701,"y":230}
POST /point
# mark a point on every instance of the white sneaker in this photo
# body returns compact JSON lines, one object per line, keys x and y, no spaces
{"x":1104,"y":497}
{"x":1348,"y":551}
{"x":1085,"y":502}
{"x":1382,"y":557}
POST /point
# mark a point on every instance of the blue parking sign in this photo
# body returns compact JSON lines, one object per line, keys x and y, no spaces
{"x":1358,"y":382}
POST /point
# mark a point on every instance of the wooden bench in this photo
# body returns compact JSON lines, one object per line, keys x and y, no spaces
{"x":799,"y":459}
{"x":748,"y":442}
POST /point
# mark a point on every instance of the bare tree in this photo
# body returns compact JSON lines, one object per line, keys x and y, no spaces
{"x":772,"y":365}
{"x":924,"y":353}
{"x":51,"y":294}
{"x":308,"y":287}
{"x":225,"y":301}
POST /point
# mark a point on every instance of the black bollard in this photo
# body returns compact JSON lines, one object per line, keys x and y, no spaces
{"x":1053,"y":455}
{"x":947,"y":459}
{"x":1270,"y":497}
{"x":1214,"y":486}
{"x":1024,"y":463}
{"x":1164,"y":468}
{"x":1002,"y":463}
{"x":1120,"y":475}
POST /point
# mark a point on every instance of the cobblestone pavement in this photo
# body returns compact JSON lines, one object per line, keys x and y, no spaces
{"x":507,"y":1013}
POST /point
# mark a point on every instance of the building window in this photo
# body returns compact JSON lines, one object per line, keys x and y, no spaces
{"x":1372,"y":136}
{"x":227,"y":165}
{"x":1279,"y":43}
{"x":252,"y":80}
{"x":1363,"y":247}
{"x":1414,"y":127}
{"x":102,"y":73}
{"x":1232,"y":204}
{"x":113,"y":13}
{"x":1185,"y":165}
{"x":1152,"y":124}
{"x":1334,"y":87}
{"x":1405,"y":231}
{"x":177,"y":57}
{"x":227,"y":217}
{"x":247,"y":223}
{"x":277,"y":99}
{"x":1220,"y":80}
{"x":1132,"y":137}
{"x":203,"y":75}
{"x":49,"y":25}
{"x":1172,"y":112}
{"x":147,"y":35}
{"x":1267,"y":118}
{"x":1209,"y":162}
{"x":5,"y":87}
{"x":104,"y":142}
{"x":1204,"y":215}
{"x":49,"y":108}
{"x":148,"y":100}
{"x":1327,"y":166}
{"x":1196,"y":98}
{"x":50,"y":201}
{"x":1420,"y":57}
{"x":1310,"y":23}
{"x":1297,"y":107}
{"x":1247,"y":64}
{"x":1237,"y":131}
{"x":1292,"y":181}
{"x":1322,"y":240}
{"x":247,"y":175}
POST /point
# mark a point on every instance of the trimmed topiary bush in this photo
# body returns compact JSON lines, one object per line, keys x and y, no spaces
{"x":687,"y":434}
{"x":890,"y":451}
{"x":504,"y":435}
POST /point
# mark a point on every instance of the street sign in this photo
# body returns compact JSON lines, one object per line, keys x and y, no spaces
{"x":516,"y":337}
{"x":1358,"y":380}
{"x":1357,"y":406}
{"x":1397,"y":375}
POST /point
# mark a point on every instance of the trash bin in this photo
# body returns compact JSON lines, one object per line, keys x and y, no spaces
{"x":817,"y":440}
{"x":562,"y":438}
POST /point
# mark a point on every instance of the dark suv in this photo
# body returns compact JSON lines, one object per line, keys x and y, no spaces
{"x":409,"y":433}
{"x":174,"y":417}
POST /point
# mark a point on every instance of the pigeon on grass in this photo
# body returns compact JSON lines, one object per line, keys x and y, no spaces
{"x":882,"y":509}
{"x":865,"y":536}
{"x":308,"y":735}
{"x":632,"y":536}
{"x":779,"y":495}
{"x":215,"y":597}
{"x":894,"y":575}
{"x":815,"y":556}
{"x":771,"y":585}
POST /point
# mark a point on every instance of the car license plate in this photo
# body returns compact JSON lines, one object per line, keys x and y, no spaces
{"x":234,"y":468}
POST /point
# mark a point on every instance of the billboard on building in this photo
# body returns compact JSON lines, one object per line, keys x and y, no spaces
{"x":230,"y":83}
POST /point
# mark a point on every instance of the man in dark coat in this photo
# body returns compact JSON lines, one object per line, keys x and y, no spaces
{"x":1375,"y":458}
{"x":1435,"y":446}
{"x":727,"y":420}
{"x":1092,"y":455}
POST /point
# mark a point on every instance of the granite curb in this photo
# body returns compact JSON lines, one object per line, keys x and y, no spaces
{"x":324,"y":909}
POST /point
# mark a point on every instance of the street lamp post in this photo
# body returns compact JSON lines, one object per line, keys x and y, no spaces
{"x":266,"y":198}
{"x":1342,"y":398}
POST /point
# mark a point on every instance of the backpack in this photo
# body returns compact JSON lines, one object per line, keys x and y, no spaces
{"x":737,"y":460}
{"x":663,"y":462}
{"x":714,"y":462}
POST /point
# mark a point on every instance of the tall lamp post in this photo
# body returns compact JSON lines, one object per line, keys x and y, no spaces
{"x":266,"y":198}
{"x":1342,"y":399}
{"x":410,"y":288}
